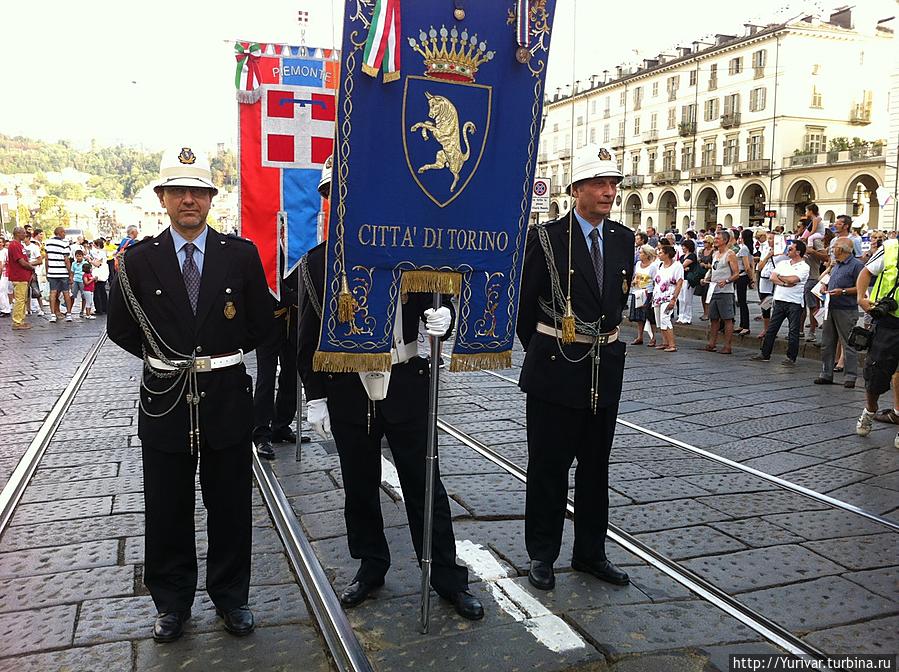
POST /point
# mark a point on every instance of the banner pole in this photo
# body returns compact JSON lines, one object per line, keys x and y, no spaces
{"x":299,"y":432}
{"x":430,"y":478}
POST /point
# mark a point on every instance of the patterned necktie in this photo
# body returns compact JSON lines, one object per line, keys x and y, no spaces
{"x":596,"y":255}
{"x":191,"y":275}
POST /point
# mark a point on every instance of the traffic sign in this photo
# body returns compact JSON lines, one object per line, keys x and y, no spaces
{"x":540,"y":199}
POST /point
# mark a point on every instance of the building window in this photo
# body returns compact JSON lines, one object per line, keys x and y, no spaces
{"x":636,"y":125}
{"x":686,"y":157}
{"x":757,"y":99}
{"x":709,"y":149}
{"x":735,"y":66}
{"x":652,"y":161}
{"x":710,"y":109}
{"x":556,"y":127}
{"x":638,"y":97}
{"x":605,"y":133}
{"x":817,"y":99}
{"x":593,"y":106}
{"x":567,"y":144}
{"x":816,"y":69}
{"x":731,"y":104}
{"x":713,"y":76}
{"x":861,"y":57}
{"x":731,"y":150}
{"x":621,"y":129}
{"x":673,"y":84}
{"x":815,"y":139}
{"x":607,"y":110}
{"x":693,"y":75}
{"x":759,"y":60}
{"x":654,"y":121}
{"x":669,"y":158}
{"x":688,"y":114}
{"x":655,"y":89}
{"x":580,"y":138}
{"x":635,"y":164}
{"x":556,"y":143}
{"x":592,"y":136}
{"x":672,"y":117}
{"x":622,"y":98}
{"x":755,"y":146}
{"x":580,"y":120}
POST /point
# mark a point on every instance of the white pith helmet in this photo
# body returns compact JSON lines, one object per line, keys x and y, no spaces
{"x":324,"y":184}
{"x":593,"y":161}
{"x":183,"y":167}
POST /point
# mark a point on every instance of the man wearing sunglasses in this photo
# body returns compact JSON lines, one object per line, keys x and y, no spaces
{"x":191,"y":303}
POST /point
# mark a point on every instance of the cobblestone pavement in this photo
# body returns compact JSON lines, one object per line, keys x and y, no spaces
{"x":71,"y":563}
{"x":35,"y":367}
{"x":71,"y":589}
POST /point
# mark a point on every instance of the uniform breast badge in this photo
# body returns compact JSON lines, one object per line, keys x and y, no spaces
{"x":230,"y":311}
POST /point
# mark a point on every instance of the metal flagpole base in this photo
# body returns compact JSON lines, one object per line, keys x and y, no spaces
{"x":430,"y":480}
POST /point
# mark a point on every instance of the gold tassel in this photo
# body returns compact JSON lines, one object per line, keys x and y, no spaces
{"x":350,"y":362}
{"x":568,"y":334}
{"x":346,"y":304}
{"x":486,"y":360}
{"x":442,"y":282}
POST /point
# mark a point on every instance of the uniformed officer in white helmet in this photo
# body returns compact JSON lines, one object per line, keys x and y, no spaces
{"x":568,"y":324}
{"x":191,"y":303}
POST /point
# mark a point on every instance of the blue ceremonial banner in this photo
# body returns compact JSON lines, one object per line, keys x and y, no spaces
{"x":434,"y":165}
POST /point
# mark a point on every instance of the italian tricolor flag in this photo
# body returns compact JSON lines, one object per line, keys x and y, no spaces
{"x":383,"y":44}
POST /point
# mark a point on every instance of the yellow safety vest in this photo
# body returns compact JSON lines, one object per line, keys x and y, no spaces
{"x":886,"y":281}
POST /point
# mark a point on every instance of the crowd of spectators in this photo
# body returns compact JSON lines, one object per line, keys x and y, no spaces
{"x":55,"y":277}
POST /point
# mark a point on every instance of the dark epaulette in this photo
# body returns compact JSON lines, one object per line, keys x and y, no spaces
{"x":234,"y":236}
{"x":137,"y":244}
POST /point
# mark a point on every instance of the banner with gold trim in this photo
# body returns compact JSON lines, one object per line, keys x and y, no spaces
{"x":433,"y":172}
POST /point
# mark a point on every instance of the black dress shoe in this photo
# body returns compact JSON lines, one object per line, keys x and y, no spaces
{"x":169,"y":625}
{"x":265,"y":450}
{"x":289,"y":436}
{"x":238,"y":621}
{"x":466,"y":605}
{"x":604,"y":570}
{"x":541,"y":575}
{"x":355,"y":593}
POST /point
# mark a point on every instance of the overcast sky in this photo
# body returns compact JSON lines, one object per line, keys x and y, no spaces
{"x":162,"y":73}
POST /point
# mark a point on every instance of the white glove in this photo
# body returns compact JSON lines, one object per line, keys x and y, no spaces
{"x":438,"y":321}
{"x":318,"y":417}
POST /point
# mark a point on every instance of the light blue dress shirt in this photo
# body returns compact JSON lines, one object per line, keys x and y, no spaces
{"x":199,"y":242}
{"x":586,"y":228}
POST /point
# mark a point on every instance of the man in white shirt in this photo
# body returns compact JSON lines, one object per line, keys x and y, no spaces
{"x":788,"y":278}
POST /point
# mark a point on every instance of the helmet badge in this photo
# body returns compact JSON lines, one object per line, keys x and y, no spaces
{"x":187,"y":156}
{"x":604,"y":154}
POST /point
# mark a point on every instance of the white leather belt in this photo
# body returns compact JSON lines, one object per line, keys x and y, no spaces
{"x":602,"y":339}
{"x":403,"y":352}
{"x":201,"y":364}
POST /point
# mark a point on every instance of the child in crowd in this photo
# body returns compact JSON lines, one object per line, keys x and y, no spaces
{"x":87,"y":301}
{"x":78,"y":279}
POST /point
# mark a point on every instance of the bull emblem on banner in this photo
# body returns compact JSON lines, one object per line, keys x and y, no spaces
{"x":445,"y":130}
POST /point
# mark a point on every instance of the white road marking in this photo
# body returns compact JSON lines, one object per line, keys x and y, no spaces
{"x":547,"y":628}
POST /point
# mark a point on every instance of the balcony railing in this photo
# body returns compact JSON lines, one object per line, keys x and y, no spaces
{"x":860,"y":115}
{"x":632,"y":182}
{"x":672,"y":95}
{"x":666,"y":177}
{"x":564,"y":154}
{"x":712,"y":172}
{"x":542,"y":157}
{"x":617,"y":142}
{"x":650,"y":135}
{"x":759,"y":72}
{"x":873,"y":153}
{"x":730,"y":120}
{"x":713,"y":83}
{"x":756,"y":167}
{"x":686,"y":128}
{"x":606,"y":114}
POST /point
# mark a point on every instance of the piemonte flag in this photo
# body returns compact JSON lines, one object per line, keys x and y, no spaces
{"x":286,"y":97}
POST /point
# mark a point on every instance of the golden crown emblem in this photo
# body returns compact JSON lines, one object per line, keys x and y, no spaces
{"x":451,"y":55}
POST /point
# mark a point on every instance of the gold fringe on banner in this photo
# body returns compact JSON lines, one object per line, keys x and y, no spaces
{"x":346,"y":303}
{"x":442,"y":282}
{"x":350,"y":362}
{"x":486,"y":360}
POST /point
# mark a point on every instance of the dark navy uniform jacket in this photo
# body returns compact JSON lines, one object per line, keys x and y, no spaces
{"x":546,"y":373}
{"x":233,"y":283}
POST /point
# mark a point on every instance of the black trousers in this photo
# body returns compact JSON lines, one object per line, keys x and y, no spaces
{"x":101,"y":298}
{"x":556,"y":436}
{"x":794,"y":314}
{"x":360,"y":464}
{"x":170,"y":556}
{"x":742,"y":285}
{"x":271,"y":414}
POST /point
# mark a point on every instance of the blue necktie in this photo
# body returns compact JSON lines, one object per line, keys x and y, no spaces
{"x":191,"y":275}
{"x":596,"y":255}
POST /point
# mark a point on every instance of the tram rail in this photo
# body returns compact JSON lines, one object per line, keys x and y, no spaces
{"x":346,"y":650}
{"x":771,"y":631}
{"x":775,"y":480}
